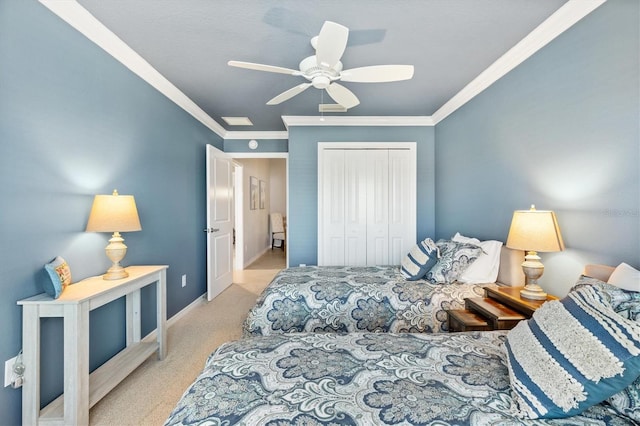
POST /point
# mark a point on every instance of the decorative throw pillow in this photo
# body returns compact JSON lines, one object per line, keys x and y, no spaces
{"x":59,"y":277}
{"x":627,"y":401}
{"x":627,"y":304}
{"x":626,"y":277}
{"x":572,"y":354}
{"x":624,"y":302}
{"x":419,"y":260}
{"x":455,"y":258}
{"x":486,"y":266}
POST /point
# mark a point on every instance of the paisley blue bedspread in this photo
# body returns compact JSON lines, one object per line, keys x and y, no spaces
{"x":350,"y":298}
{"x":361,"y":379}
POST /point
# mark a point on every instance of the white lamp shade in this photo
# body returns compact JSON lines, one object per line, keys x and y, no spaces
{"x":535,"y":230}
{"x":113,"y":213}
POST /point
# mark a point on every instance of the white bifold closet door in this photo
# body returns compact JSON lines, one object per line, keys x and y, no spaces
{"x":368,"y":204}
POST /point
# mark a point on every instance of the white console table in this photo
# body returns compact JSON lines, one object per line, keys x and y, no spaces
{"x":81,"y":389}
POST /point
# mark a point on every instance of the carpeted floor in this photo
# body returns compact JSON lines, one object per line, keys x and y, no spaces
{"x":149,"y":394}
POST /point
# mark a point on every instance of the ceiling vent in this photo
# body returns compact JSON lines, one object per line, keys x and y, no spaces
{"x":238,"y":121}
{"x":331,"y":108}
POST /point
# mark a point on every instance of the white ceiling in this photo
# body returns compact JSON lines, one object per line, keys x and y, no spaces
{"x":450,"y":43}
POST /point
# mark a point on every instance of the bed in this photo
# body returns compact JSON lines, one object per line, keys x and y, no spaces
{"x":364,"y":299}
{"x":377,"y":378}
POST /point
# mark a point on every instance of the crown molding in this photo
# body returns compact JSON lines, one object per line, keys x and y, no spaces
{"x":255,"y":135}
{"x":79,"y":18}
{"x":300,"y":120}
{"x":561,"y":20}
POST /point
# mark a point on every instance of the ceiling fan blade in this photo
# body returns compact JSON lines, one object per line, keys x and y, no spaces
{"x":342,"y":95}
{"x":378,"y":74}
{"x":288,"y":94}
{"x":262,"y":67}
{"x":332,"y":41}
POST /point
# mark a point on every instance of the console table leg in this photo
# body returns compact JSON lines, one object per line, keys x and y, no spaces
{"x":161,"y":312}
{"x":31,"y":359}
{"x":76,"y":364}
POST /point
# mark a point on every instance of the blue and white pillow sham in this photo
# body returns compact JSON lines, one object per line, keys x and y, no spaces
{"x":571,"y":355}
{"x":455,"y":258}
{"x":419,"y":260}
{"x":627,"y":401}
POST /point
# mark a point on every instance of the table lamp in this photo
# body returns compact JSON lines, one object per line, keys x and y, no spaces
{"x":533,"y":231}
{"x":114,"y":213}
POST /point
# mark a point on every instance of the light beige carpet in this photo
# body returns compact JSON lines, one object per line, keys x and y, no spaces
{"x":149,"y":394}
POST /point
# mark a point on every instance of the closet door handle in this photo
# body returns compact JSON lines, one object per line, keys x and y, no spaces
{"x":211,"y":230}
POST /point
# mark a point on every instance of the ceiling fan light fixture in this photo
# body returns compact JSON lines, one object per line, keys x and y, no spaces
{"x":320,"y":82}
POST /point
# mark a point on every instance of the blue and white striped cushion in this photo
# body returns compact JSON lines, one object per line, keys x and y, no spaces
{"x":419,"y":260}
{"x":572,"y":354}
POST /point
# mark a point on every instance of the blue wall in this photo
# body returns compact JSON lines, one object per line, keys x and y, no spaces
{"x":74,"y":123}
{"x":560,"y":131}
{"x":303,"y":180}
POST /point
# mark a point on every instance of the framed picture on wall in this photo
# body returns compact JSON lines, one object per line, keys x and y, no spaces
{"x":253,"y":192}
{"x":263,"y":193}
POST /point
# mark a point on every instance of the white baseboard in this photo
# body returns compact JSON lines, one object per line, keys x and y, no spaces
{"x":256,"y":257}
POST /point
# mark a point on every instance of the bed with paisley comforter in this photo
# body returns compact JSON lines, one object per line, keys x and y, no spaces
{"x":362,"y":379}
{"x":575,"y":362}
{"x":351,"y":298}
{"x":372,"y":298}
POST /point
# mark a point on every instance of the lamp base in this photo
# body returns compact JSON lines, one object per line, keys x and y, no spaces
{"x":116,"y":250}
{"x":533,"y":292}
{"x":533,"y":269}
{"x":116,"y":272}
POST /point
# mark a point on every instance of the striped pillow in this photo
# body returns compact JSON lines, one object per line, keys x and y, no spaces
{"x":419,"y":260}
{"x":572,"y":354}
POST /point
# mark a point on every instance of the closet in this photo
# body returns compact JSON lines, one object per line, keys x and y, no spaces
{"x":366,"y":203}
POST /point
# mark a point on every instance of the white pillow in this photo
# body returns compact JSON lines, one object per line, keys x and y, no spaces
{"x":485,"y":268}
{"x":626,"y":277}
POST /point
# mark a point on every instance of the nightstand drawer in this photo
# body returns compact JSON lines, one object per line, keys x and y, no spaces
{"x":464,"y":320}
{"x":499,"y":316}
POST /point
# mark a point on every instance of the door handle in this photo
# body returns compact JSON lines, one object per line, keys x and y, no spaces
{"x":211,"y":230}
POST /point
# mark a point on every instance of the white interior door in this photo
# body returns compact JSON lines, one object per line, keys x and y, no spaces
{"x":219,"y":222}
{"x":356,"y":171}
{"x":366,"y":202}
{"x":402,"y":202}
{"x":332,"y":217}
{"x":377,"y":205}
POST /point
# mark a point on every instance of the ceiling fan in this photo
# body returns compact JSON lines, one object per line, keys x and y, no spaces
{"x":324,"y":69}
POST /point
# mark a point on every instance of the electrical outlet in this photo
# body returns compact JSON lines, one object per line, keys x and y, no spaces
{"x":8,"y":371}
{"x":184,"y":280}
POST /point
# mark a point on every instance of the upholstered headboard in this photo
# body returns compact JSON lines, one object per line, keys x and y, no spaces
{"x":600,"y":272}
{"x":510,"y":272}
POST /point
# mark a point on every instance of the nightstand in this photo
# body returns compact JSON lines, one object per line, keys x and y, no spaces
{"x":501,"y":309}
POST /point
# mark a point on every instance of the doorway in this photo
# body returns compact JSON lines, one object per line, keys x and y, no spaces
{"x":251,"y":222}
